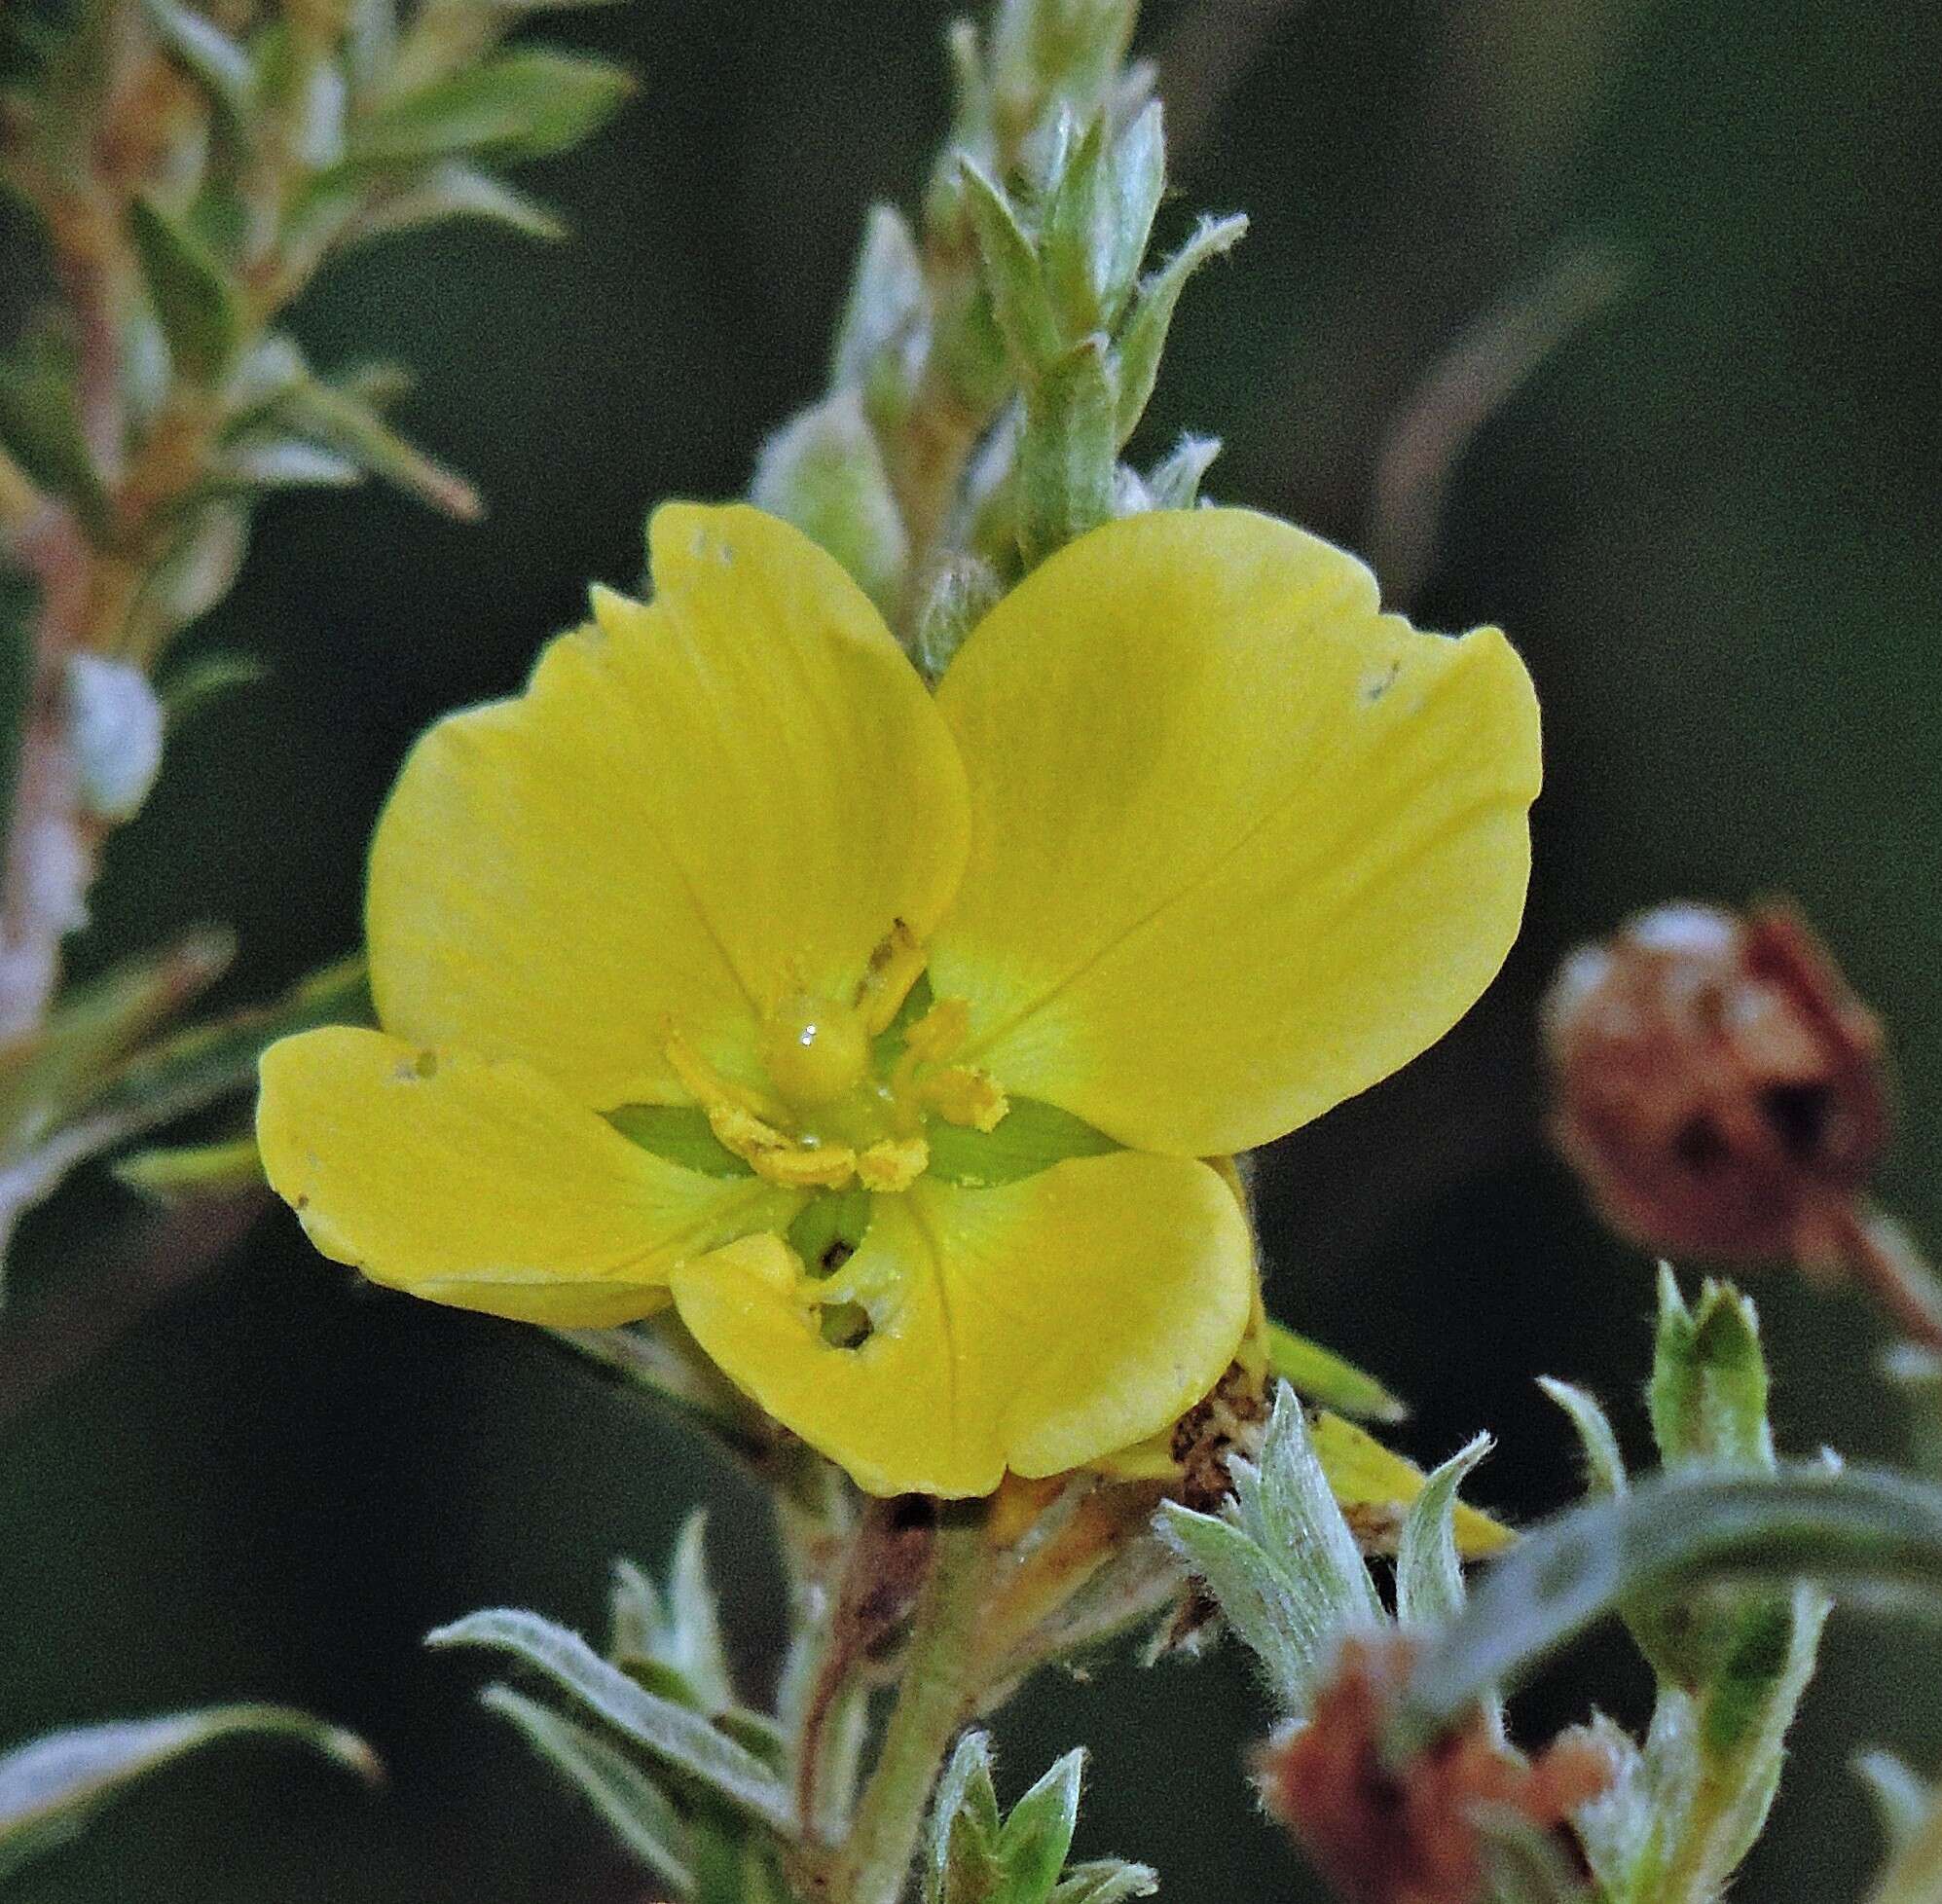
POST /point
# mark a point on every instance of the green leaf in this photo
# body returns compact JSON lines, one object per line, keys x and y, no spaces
{"x":186,"y":689}
{"x":284,"y":462}
{"x":1375,"y":1486}
{"x":634,"y":1807}
{"x":1321,"y":1375}
{"x":1138,"y":182}
{"x":198,"y":309}
{"x":528,"y":104}
{"x":681,"y":1133}
{"x":198,"y":1066}
{"x":1076,"y":238}
{"x":1139,"y":343}
{"x":40,"y":426}
{"x":1429,"y":1574}
{"x":1030,"y":1137}
{"x":456,"y":189}
{"x":50,"y":1787}
{"x":1604,"y":1465}
{"x":85,"y":1045}
{"x":888,"y":305}
{"x":1869,"y":1530}
{"x":961,"y":1857}
{"x":346,"y":421}
{"x":671,"y":1733}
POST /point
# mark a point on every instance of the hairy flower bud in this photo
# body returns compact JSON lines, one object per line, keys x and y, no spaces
{"x":1719,"y":1088}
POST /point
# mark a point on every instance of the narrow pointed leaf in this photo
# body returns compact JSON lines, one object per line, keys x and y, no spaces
{"x":1139,"y":343}
{"x":1901,"y":1799}
{"x":1108,"y":1881}
{"x":1175,"y":484}
{"x":1429,"y":1574}
{"x":961,"y":1855}
{"x":40,"y":427}
{"x":456,"y":189}
{"x":1376,"y":1487}
{"x":350,"y":422}
{"x":49,"y":1787}
{"x":670,"y":1733}
{"x":1860,"y":1529}
{"x":526,"y":104}
{"x":194,"y":1173}
{"x":694,"y":1646}
{"x":634,"y":1809}
{"x":210,"y":55}
{"x":1604,"y":1465}
{"x":198,"y":309}
{"x":1012,"y":275}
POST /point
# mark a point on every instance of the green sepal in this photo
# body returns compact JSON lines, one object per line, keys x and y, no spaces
{"x":1320,"y":1375}
{"x":830,"y":1227}
{"x":681,"y":1134}
{"x":1020,"y":301}
{"x":1106,"y":1880}
{"x":194,"y":1173}
{"x":1034,"y":1841}
{"x":50,"y":1787}
{"x":528,"y":104}
{"x":961,"y":1860}
{"x":1031,"y":1137}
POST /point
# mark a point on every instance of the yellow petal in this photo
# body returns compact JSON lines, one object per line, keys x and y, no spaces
{"x":1376,"y":1487}
{"x":1240,"y":844}
{"x":695,"y":807}
{"x":480,"y":1183}
{"x":1033,"y":1327}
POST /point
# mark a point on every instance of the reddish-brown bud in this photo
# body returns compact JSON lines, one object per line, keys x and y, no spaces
{"x":1719,"y":1087}
{"x":1408,"y":1835}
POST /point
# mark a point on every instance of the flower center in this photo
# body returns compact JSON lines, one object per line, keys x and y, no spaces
{"x":852,"y":1087}
{"x":815,"y":1050}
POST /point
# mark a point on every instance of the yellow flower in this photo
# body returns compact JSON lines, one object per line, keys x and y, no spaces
{"x":726,"y":944}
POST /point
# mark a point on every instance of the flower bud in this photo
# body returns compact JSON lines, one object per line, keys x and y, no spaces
{"x":1718,"y":1087}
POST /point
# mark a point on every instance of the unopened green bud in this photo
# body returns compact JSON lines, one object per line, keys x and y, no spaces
{"x":825,"y":473}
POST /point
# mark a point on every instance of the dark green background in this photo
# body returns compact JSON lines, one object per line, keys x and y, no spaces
{"x":1709,"y":522}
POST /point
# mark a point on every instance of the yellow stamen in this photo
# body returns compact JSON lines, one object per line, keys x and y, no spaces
{"x":940,"y":1032}
{"x":778,"y":1157}
{"x":706,"y":1085}
{"x":893,"y":1163}
{"x":963,"y":1094}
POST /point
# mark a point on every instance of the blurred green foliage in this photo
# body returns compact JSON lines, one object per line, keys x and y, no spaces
{"x":1710,"y":521}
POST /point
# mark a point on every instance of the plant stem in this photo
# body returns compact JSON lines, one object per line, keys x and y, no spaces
{"x":938,"y":1694}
